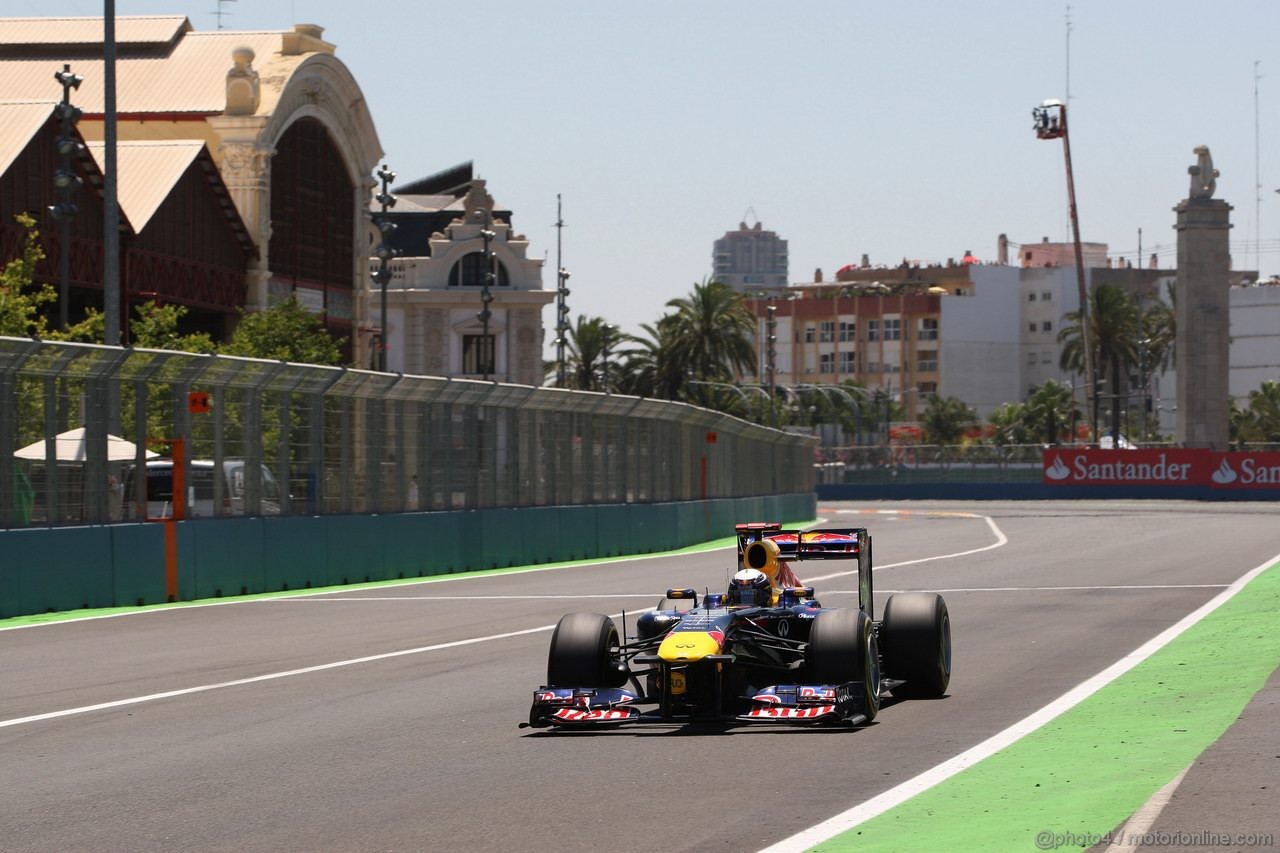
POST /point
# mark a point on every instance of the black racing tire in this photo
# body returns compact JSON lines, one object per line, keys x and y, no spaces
{"x":843,"y":648}
{"x":917,"y":644}
{"x":584,"y":653}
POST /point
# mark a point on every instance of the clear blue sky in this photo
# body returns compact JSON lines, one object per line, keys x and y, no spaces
{"x":895,"y":130}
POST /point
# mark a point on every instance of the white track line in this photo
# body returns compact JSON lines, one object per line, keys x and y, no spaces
{"x":650,"y":595}
{"x":85,"y":709}
{"x":1128,"y":838}
{"x":900,"y":794}
{"x":334,"y":665}
{"x":1001,"y":540}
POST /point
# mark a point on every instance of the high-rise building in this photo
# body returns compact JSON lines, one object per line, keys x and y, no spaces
{"x":750,"y":258}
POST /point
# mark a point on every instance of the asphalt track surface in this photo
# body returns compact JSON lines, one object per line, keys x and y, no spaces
{"x":417,"y":748}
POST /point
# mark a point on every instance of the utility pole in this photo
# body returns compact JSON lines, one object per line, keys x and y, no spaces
{"x":1051,"y":123}
{"x":562,"y":293}
{"x":385,"y":253}
{"x":66,"y":181}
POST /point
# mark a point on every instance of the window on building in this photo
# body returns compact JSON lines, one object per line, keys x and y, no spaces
{"x":892,"y":329}
{"x":1047,"y":296}
{"x":477,"y":354}
{"x":1031,"y":358}
{"x":469,"y":272}
{"x":873,"y":367}
{"x":809,"y":333}
{"x":848,"y":362}
{"x":1046,"y":357}
{"x":828,"y":331}
{"x":1046,"y":326}
{"x":1031,"y":297}
{"x":927,"y":361}
{"x":1032,"y":327}
{"x":827,"y":362}
{"x":848,"y":331}
{"x":928,"y":330}
{"x":892,"y":367}
{"x":873,"y":330}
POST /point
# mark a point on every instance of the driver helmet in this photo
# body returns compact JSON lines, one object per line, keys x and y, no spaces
{"x":751,"y":587}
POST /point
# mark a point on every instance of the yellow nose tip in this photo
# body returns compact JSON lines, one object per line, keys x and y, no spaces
{"x":686,"y":646}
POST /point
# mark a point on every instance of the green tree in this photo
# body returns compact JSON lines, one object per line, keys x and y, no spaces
{"x":20,"y":296}
{"x":945,"y":420}
{"x":649,"y":367}
{"x":712,"y":332}
{"x":1009,"y":425}
{"x":1264,"y":412}
{"x":285,"y":331}
{"x":1050,"y":412}
{"x":1113,"y":331}
{"x":585,"y":351}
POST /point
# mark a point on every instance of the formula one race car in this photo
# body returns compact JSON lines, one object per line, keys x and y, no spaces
{"x":762,"y":652}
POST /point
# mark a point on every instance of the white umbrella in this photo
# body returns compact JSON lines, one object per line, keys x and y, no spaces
{"x":70,"y":448}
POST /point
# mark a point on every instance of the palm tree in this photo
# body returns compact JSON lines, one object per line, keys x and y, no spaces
{"x":1049,"y":411}
{"x":1009,"y":425}
{"x":945,"y":420}
{"x":1264,"y":410}
{"x":1114,"y":332}
{"x":712,"y":332}
{"x":650,"y":368}
{"x":585,"y":360}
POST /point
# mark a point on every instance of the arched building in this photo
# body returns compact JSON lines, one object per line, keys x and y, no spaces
{"x":434,"y":295}
{"x":283,"y":119}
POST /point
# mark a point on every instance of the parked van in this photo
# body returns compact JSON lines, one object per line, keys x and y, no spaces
{"x":200,"y":489}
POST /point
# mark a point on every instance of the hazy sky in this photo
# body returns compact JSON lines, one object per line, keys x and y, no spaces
{"x":890,"y":129}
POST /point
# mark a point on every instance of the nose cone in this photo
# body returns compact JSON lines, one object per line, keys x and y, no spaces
{"x":688,"y":646}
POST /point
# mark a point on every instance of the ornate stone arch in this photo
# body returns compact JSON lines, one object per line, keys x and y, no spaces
{"x":322,"y":87}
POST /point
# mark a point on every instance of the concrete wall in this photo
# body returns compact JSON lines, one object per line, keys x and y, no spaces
{"x":979,"y":344}
{"x":1255,"y":338}
{"x":120,"y":565}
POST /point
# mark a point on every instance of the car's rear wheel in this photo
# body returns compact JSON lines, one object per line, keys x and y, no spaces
{"x":843,"y":648}
{"x":917,"y":643}
{"x":584,"y":653}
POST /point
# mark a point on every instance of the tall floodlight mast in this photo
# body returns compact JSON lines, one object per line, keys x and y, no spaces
{"x":1051,"y":123}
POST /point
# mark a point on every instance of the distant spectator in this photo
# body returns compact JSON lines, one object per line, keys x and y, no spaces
{"x":968,"y":258}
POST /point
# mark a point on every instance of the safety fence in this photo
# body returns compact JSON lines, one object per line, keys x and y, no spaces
{"x":922,"y":463}
{"x":91,"y":434}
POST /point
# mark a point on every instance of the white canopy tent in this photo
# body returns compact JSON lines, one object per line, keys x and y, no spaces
{"x":71,"y":448}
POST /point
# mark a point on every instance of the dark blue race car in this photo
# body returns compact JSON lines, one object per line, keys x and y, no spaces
{"x":762,"y":652}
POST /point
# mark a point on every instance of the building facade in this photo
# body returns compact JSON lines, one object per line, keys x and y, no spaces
{"x":750,"y":259}
{"x":282,"y":118}
{"x":435,"y":293}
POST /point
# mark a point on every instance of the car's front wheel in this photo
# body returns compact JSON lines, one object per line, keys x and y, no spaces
{"x":917,"y":643}
{"x":584,"y":653}
{"x":843,"y":648}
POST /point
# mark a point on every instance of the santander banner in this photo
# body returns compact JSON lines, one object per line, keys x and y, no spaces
{"x":1066,"y":466}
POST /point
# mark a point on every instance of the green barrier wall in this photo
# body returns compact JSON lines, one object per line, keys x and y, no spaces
{"x":51,"y":569}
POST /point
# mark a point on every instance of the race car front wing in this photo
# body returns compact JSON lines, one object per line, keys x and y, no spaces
{"x":574,"y":707}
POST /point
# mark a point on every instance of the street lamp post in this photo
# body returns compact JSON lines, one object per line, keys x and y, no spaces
{"x":609,"y":332}
{"x":771,"y":356}
{"x":487,"y":349}
{"x":562,"y":307}
{"x":385,"y":253}
{"x":1050,"y":125}
{"x":66,"y":182}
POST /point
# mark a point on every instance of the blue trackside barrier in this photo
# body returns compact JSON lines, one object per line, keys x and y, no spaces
{"x":68,"y":568}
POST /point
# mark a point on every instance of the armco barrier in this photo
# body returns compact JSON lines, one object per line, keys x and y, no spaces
{"x":67,"y":568}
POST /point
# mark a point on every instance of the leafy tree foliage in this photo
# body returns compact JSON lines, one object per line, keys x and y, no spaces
{"x":945,"y":420}
{"x":286,"y":331}
{"x":20,"y":297}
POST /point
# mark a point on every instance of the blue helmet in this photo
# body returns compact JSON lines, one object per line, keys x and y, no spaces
{"x":751,"y":587}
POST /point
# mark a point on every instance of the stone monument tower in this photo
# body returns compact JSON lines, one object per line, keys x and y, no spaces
{"x":1204,"y":262}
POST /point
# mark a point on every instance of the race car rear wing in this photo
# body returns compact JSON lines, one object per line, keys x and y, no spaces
{"x":843,"y":543}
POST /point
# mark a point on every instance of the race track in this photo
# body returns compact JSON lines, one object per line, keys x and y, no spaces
{"x":386,"y":719}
